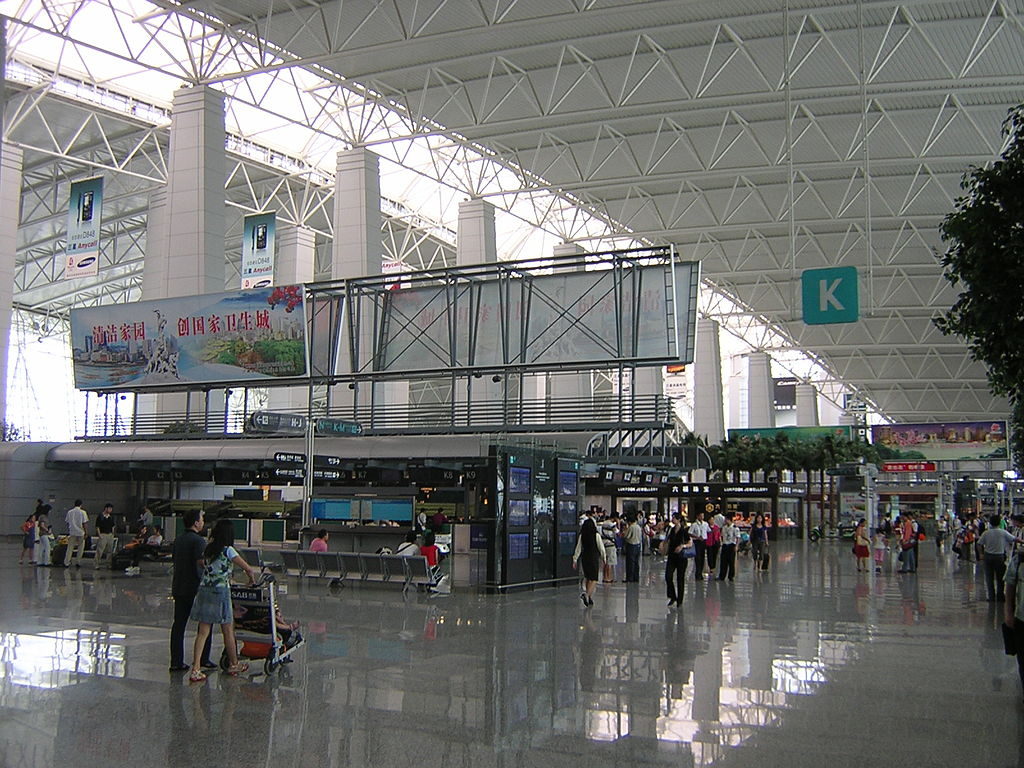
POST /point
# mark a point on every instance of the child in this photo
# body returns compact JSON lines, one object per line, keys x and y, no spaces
{"x":879,"y":546}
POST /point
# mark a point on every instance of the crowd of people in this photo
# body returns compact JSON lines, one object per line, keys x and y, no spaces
{"x":712,"y":544}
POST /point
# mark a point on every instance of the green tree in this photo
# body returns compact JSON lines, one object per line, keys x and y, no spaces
{"x":985,"y":259}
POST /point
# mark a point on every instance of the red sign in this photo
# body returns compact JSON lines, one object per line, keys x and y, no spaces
{"x":908,"y":466}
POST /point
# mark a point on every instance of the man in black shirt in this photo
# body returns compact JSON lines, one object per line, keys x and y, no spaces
{"x":105,"y":534}
{"x":188,"y":552}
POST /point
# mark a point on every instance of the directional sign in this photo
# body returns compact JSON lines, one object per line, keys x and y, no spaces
{"x":288,"y":423}
{"x":830,"y":295}
{"x":326,"y":461}
{"x":338,"y":427}
{"x":290,"y":458}
{"x":908,"y":466}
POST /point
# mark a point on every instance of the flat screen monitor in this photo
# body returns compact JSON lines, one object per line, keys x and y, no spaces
{"x":566,"y":483}
{"x":566,"y":543}
{"x":568,"y":514}
{"x":519,"y":546}
{"x":518,"y":512}
{"x":332,"y":509}
{"x":399,"y":510}
{"x":519,"y":479}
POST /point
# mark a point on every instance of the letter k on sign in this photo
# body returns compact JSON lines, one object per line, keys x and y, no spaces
{"x":830,"y":295}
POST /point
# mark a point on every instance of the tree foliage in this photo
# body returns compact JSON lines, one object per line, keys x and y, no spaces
{"x":984,"y":259}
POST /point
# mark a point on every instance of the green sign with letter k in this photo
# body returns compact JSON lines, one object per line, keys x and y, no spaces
{"x":830,"y":295}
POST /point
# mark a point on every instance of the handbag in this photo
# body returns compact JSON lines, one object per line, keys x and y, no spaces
{"x":689,"y":552}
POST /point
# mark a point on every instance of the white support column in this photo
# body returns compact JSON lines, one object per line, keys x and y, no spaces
{"x":708,"y":405}
{"x":296,"y":257}
{"x":195,"y":193}
{"x":564,"y":386}
{"x":476,"y":242}
{"x":154,"y":267}
{"x":760,"y":403}
{"x":10,"y":213}
{"x":188,"y":228}
{"x":806,"y":405}
{"x":357,"y":249}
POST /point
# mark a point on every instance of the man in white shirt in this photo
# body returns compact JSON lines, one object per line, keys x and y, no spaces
{"x":730,"y":538}
{"x":699,"y":530}
{"x":76,"y":518}
{"x":995,"y":543}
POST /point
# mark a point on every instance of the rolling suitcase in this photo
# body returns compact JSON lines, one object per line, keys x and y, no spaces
{"x":765,"y":559}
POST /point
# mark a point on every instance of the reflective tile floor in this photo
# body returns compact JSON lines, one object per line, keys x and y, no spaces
{"x":811,"y":664}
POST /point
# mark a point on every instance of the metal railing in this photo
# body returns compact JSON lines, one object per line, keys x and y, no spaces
{"x":642,"y":414}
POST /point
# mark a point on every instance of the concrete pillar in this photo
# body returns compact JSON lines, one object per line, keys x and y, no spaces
{"x":566,"y":386}
{"x":154,"y":266}
{"x":11,"y":159}
{"x":806,"y":405}
{"x":760,"y":403}
{"x":357,"y":252}
{"x":357,"y":249}
{"x":195,"y":193}
{"x":708,"y":405}
{"x":476,"y":241}
{"x":296,"y":256}
{"x":186,"y":257}
{"x":482,"y":400}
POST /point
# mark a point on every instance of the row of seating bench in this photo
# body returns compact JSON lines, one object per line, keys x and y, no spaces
{"x":353,"y":566}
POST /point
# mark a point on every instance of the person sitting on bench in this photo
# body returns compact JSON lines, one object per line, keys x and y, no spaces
{"x":151,"y":546}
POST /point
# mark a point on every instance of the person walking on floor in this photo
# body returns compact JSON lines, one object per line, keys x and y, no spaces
{"x":730,"y":538}
{"x":187,"y":557}
{"x":861,"y":545}
{"x":995,"y":543}
{"x":632,"y":546}
{"x":44,"y":535}
{"x":908,"y":553}
{"x":76,"y":518}
{"x":28,"y":540}
{"x":675,"y":561}
{"x":105,"y":535}
{"x":1013,"y":610}
{"x":589,"y":554}
{"x":213,"y":599}
{"x":699,"y":531}
{"x":759,"y":541}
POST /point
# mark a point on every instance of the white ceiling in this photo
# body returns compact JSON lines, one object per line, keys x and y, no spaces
{"x":735,"y":130}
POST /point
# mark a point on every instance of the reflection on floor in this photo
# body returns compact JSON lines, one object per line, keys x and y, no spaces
{"x":811,"y":664}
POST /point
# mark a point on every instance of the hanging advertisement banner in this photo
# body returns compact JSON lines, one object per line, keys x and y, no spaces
{"x":259,"y":237}
{"x":219,"y":337}
{"x":82,"y":249}
{"x":941,"y":442}
{"x":795,"y":434}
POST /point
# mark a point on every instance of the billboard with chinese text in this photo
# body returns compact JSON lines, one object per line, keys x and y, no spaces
{"x":950,"y":441}
{"x":259,"y":236}
{"x":219,"y":337}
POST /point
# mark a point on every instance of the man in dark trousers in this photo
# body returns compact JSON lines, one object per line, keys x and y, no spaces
{"x":188,"y":552}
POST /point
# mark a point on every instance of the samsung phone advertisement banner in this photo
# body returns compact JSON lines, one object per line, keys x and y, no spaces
{"x":220,"y":337}
{"x":83,"y":243}
{"x":258,"y":239}
{"x":969,"y":440}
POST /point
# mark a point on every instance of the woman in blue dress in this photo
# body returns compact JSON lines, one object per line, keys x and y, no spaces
{"x":213,"y":600}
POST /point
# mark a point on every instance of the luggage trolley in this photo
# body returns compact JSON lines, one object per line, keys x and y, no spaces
{"x":254,"y":608}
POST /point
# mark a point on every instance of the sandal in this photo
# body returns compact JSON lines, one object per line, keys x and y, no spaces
{"x":196,"y":676}
{"x":237,"y":669}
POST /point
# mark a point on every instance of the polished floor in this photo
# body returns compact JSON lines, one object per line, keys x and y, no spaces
{"x":809,"y":665}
